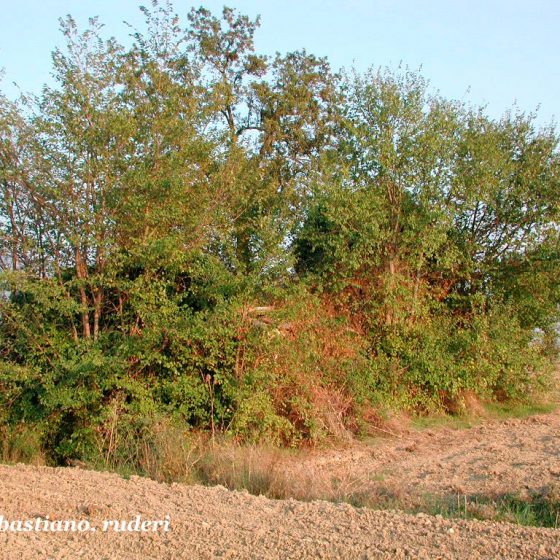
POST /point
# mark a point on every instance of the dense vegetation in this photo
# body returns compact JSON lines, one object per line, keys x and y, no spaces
{"x":195,"y":236}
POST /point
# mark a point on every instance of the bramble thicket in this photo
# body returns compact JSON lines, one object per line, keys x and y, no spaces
{"x":198,"y":238}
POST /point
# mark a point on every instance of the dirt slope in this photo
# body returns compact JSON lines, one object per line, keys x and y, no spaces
{"x":217,"y":523}
{"x":497,"y":457}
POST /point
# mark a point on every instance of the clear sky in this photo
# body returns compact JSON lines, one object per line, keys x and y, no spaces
{"x":494,"y":52}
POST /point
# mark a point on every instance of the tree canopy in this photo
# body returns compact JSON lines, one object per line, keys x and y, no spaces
{"x":194,"y":231}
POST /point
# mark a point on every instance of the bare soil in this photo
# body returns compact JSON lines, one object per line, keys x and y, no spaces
{"x":514,"y":456}
{"x":498,"y":456}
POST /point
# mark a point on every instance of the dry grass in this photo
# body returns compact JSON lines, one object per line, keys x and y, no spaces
{"x":267,"y":471}
{"x":170,"y":454}
{"x":160,"y":450}
{"x":21,"y":444}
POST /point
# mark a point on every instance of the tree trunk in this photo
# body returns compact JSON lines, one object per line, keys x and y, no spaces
{"x":14,"y":230}
{"x":97,"y":303}
{"x":243,"y":250}
{"x":81,"y":273}
{"x":390,"y":305}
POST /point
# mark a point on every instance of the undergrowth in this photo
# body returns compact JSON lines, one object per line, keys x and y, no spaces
{"x":161,"y":450}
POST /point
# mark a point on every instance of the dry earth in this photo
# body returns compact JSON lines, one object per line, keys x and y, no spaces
{"x":512,"y":455}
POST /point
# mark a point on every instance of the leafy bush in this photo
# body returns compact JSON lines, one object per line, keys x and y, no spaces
{"x":198,"y":238}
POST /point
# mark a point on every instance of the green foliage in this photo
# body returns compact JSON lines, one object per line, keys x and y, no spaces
{"x":540,"y":509}
{"x":195,"y":236}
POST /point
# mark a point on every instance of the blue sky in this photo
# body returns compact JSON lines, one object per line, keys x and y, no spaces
{"x":493,"y":52}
